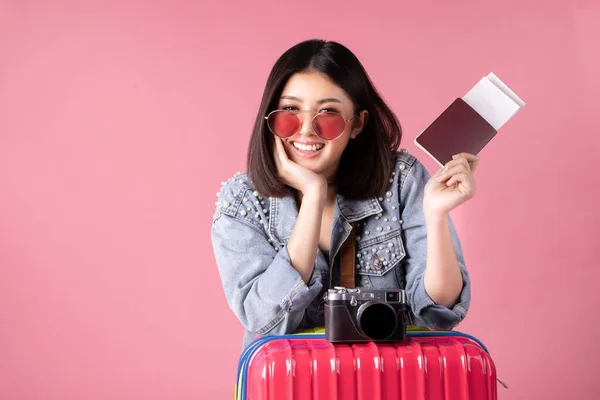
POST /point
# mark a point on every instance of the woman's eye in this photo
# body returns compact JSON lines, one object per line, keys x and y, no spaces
{"x":289,"y":108}
{"x":329,"y":110}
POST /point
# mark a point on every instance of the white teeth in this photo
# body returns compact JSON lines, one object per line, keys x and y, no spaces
{"x":305,"y":147}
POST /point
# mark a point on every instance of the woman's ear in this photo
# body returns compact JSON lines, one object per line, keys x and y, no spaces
{"x":360,"y":122}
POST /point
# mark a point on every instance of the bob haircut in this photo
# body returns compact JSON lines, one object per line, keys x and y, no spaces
{"x":367,"y":161}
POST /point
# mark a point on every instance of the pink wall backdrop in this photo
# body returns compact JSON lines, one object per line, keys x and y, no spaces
{"x":119,"y":121}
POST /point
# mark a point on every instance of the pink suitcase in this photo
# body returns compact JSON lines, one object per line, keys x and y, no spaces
{"x":429,"y":365}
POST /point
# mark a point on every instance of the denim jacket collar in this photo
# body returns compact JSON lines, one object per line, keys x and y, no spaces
{"x":284,"y":213}
{"x":355,"y":210}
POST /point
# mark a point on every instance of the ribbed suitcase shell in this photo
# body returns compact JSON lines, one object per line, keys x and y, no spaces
{"x":429,"y":365}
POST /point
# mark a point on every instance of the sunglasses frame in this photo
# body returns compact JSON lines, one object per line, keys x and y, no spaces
{"x":296,"y":112}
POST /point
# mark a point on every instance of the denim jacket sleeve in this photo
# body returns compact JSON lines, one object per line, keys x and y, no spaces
{"x":262,"y":287}
{"x":428,"y":313}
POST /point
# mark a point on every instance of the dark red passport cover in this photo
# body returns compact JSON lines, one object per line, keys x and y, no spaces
{"x":459,"y":129}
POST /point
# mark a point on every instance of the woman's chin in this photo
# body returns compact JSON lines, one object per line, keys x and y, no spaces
{"x":309,"y":164}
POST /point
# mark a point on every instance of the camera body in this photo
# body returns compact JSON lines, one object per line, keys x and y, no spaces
{"x":365,"y":315}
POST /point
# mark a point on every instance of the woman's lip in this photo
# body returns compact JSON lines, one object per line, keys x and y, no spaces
{"x":305,"y":154}
{"x":306,"y":143}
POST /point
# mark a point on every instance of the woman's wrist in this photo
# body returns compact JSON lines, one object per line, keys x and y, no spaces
{"x":316,"y":190}
{"x":435,"y":218}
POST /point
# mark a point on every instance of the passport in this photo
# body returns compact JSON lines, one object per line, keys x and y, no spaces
{"x":470,"y":122}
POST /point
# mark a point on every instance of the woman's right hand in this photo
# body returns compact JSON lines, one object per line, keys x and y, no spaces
{"x":295,"y":175}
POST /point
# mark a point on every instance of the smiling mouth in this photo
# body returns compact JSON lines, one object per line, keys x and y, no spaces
{"x":308,"y":147}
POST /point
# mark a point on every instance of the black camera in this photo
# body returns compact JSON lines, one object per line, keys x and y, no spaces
{"x":365,"y":315}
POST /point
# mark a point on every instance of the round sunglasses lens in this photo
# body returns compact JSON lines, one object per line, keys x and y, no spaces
{"x":283,"y":123}
{"x":329,"y":125}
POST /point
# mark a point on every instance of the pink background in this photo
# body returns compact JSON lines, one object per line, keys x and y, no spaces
{"x":118,"y":123}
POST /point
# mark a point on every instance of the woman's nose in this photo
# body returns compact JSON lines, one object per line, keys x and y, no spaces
{"x":306,"y":124}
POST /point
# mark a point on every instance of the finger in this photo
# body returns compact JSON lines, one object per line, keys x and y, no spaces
{"x":456,"y":169}
{"x":457,"y":178}
{"x":280,"y":155}
{"x":468,"y":156}
{"x":279,"y":146}
{"x":276,"y":152}
{"x":472,"y":159}
{"x":464,"y":181}
{"x":457,"y":161}
{"x":439,"y":172}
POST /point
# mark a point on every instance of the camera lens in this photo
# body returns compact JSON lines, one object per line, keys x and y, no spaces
{"x":377,"y":321}
{"x":392,"y":296}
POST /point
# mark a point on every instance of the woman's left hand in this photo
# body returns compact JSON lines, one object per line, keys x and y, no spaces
{"x":451,"y":186}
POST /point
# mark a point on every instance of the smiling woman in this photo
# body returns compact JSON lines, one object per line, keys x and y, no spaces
{"x":312,"y":116}
{"x":324,"y":170}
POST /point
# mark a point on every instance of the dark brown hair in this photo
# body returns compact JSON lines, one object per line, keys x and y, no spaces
{"x":366,"y":164}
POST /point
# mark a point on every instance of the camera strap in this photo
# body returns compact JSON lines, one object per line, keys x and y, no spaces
{"x":347,"y":257}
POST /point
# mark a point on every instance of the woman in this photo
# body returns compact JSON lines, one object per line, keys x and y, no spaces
{"x":323,"y":165}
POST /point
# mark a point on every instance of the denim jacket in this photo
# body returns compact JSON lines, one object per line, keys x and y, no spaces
{"x":249,"y":235}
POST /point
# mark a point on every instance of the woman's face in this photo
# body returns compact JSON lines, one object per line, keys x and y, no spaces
{"x":314,"y":92}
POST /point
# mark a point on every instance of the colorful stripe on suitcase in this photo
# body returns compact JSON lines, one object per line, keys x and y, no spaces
{"x":430,"y":365}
